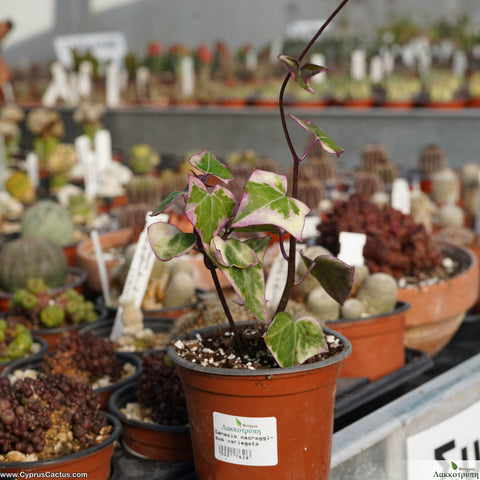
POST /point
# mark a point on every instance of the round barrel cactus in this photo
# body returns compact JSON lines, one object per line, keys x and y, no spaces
{"x":48,"y":219}
{"x":25,"y":258}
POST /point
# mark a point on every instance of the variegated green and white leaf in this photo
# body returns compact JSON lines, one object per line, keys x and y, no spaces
{"x":168,"y":241}
{"x":209,"y":164}
{"x":266,"y":202}
{"x":292,"y":342}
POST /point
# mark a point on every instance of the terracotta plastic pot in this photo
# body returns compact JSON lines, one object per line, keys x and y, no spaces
{"x":77,"y":281}
{"x":94,"y":462}
{"x":377,"y":343}
{"x":43,"y":349}
{"x":269,"y":424}
{"x":86,"y":259}
{"x":103,"y":393}
{"x":164,"y":443}
{"x":437,"y":311}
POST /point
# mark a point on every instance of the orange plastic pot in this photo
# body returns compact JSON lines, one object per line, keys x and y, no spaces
{"x":269,"y":424}
{"x":94,"y":462}
{"x":164,"y":443}
{"x":377,"y":343}
{"x":437,"y":311}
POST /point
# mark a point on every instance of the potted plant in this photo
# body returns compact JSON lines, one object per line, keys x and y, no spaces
{"x":242,"y":419}
{"x":153,"y":412}
{"x":52,"y":426}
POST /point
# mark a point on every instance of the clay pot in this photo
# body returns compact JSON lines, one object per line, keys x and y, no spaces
{"x":377,"y":343}
{"x":94,"y":462}
{"x":164,"y":443}
{"x":86,"y":259}
{"x":76,"y":280}
{"x":437,"y":311}
{"x":281,"y":413}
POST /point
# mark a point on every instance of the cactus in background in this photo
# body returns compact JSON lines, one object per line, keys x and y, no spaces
{"x":445,"y":186}
{"x":367,"y":183}
{"x":143,"y":159}
{"x":432,"y":158}
{"x":25,"y":258}
{"x":48,"y":219}
{"x":47,"y":128}
{"x":450,"y":215}
{"x":89,"y":115}
{"x":470,"y":180}
{"x":144,"y":189}
{"x":388,"y":172}
{"x":373,"y":155}
{"x":422,"y":209}
{"x":59,"y":163}
{"x":20,"y":187}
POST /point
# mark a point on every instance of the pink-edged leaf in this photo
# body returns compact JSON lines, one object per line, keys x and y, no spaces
{"x":249,"y":282}
{"x":291,"y":342}
{"x":233,"y":252}
{"x":169,"y":199}
{"x":168,"y":241}
{"x":208,"y":211}
{"x":325,"y":141}
{"x":265,"y":202}
{"x":207,"y":163}
{"x":301,"y":74}
{"x":335,"y":276}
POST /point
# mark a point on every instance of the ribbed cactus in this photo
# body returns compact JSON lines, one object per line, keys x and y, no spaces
{"x":144,"y":189}
{"x":431,"y":159}
{"x":374,"y":154}
{"x":48,"y":219}
{"x":26,"y":258}
{"x":143,"y":159}
{"x":20,"y":187}
{"x":367,"y":183}
{"x":388,"y":172}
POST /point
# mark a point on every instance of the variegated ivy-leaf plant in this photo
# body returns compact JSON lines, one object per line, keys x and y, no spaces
{"x":217,"y":215}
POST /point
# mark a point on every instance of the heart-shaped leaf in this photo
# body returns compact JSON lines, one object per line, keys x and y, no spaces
{"x":325,"y":141}
{"x":233,"y":252}
{"x":168,"y":241}
{"x":266,"y":203}
{"x":249,"y":282}
{"x":208,"y":211}
{"x":209,"y":164}
{"x":292,"y":342}
{"x":335,"y":276}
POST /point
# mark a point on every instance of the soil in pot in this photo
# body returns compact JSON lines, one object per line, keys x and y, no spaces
{"x":284,"y":413}
{"x":153,"y":413}
{"x":66,"y":432}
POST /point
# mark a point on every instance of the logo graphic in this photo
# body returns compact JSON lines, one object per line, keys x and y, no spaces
{"x":454,"y":465}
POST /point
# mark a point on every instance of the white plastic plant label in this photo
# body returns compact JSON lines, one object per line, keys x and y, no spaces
{"x":351,"y":247}
{"x":245,"y":440}
{"x":401,"y":195}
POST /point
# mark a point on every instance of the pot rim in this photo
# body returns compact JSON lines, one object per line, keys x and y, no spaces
{"x":115,"y":402}
{"x":80,"y":278}
{"x":264,"y":371}
{"x":399,"y":308}
{"x":43,"y":349}
{"x":114,"y":436}
{"x":34,"y":363}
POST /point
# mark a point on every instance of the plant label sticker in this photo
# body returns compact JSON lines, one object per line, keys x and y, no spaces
{"x":245,"y":440}
{"x":453,"y":443}
{"x":351,"y":247}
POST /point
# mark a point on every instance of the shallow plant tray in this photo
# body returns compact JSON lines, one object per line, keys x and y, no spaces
{"x":354,"y":393}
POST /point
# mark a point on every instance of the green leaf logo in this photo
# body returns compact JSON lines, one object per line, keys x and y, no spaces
{"x":239,"y":423}
{"x":454,"y":465}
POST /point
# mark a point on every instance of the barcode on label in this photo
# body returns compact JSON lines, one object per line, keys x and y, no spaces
{"x":235,"y":452}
